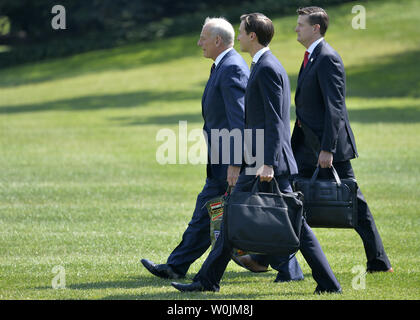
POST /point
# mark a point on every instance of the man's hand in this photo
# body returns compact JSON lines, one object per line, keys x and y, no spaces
{"x":266,"y":173}
{"x":325,"y":159}
{"x":232,"y":175}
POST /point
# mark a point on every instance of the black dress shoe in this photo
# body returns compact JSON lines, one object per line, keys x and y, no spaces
{"x":192,"y":287}
{"x":320,"y":291}
{"x":161,"y":270}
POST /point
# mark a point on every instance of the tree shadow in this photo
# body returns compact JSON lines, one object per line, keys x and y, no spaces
{"x":407,"y":114}
{"x":97,"y":102}
{"x":159,"y":120}
{"x":389,"y":76}
{"x":392,"y":114}
{"x":395,"y":75}
{"x":119,"y":58}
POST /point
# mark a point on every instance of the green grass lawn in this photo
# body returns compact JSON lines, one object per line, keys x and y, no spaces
{"x":80,"y":186}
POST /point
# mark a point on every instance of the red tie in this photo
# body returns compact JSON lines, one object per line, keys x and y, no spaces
{"x":305,"y":59}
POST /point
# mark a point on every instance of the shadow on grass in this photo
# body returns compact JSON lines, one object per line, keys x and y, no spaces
{"x":202,"y":296}
{"x":159,"y":120}
{"x":407,"y":114}
{"x":132,"y":283}
{"x":230,"y":276}
{"x":97,"y":102}
{"x":120,"y":58}
{"x":238,"y":278}
{"x":388,"y":76}
{"x":390,"y":114}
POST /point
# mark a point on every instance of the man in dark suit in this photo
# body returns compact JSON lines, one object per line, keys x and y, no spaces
{"x":321,"y":113}
{"x":222,"y":108}
{"x":223,"y":112}
{"x":267,"y":107}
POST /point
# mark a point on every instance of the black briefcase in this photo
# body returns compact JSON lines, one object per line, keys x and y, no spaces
{"x":328,"y":203}
{"x":267,"y":223}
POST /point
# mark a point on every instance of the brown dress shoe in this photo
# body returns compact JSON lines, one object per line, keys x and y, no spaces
{"x":248,"y":263}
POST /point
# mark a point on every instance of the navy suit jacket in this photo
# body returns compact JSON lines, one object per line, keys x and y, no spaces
{"x":320,"y":106}
{"x":267,"y":106}
{"x":223,"y":109}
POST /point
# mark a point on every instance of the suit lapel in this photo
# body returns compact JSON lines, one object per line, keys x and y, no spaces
{"x":211,"y":79}
{"x":257,"y":65}
{"x":304,"y":71}
{"x":251,"y":79}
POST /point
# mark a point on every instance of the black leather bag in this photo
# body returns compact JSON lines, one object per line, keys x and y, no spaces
{"x":267,"y":223}
{"x":328,"y":203}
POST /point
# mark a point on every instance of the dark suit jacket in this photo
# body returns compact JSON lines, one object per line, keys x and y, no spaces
{"x":267,"y":106}
{"x":320,"y":106}
{"x":223,"y":108}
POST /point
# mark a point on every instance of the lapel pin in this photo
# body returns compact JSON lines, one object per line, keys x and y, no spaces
{"x":312,"y":59}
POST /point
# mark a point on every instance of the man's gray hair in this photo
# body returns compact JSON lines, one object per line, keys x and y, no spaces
{"x":221,"y":27}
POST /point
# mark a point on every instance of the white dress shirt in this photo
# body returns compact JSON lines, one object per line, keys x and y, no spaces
{"x":259,"y":53}
{"x":221,"y":55}
{"x":313,"y":46}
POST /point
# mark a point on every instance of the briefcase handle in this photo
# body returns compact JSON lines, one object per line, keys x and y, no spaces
{"x":335,"y":174}
{"x":228,"y":190}
{"x":274,"y":186}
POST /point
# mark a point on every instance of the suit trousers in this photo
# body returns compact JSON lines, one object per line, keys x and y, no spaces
{"x":196,"y":238}
{"x":377,"y":260}
{"x":215,"y":265}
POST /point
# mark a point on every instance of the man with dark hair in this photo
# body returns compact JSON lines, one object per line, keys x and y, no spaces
{"x":261,"y":25}
{"x":315,"y":16}
{"x":267,"y":107}
{"x":321,"y":112}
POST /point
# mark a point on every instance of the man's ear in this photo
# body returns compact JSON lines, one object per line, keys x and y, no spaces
{"x":317,"y":28}
{"x":218,"y":41}
{"x":253,"y":35}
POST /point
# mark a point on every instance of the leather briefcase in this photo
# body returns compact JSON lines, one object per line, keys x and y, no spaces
{"x":267,"y":223}
{"x":328,"y":203}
